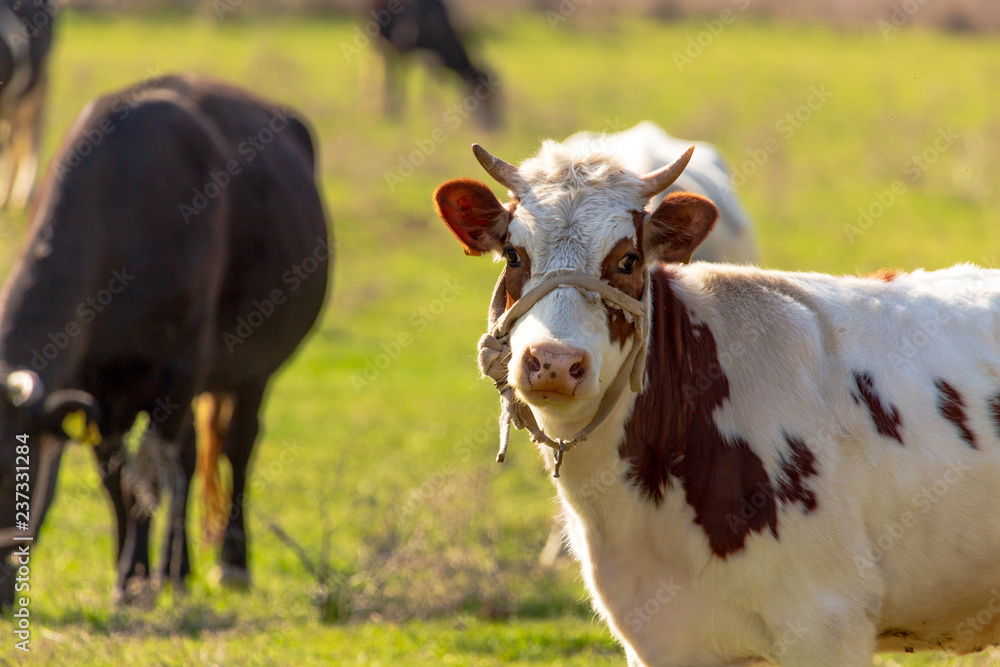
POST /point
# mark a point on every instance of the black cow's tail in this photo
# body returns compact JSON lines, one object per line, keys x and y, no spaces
{"x":212,"y":415}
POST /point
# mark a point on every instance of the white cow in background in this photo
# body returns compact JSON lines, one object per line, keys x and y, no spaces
{"x":647,"y":147}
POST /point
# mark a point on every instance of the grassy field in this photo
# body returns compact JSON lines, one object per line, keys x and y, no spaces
{"x":378,"y":452}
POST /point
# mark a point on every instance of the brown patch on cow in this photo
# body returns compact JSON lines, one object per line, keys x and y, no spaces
{"x":884,"y":414}
{"x":885,"y":275}
{"x":639,"y":220}
{"x":517,"y":277}
{"x":620,"y":328}
{"x":995,"y":411}
{"x":795,"y":469}
{"x":952,"y":407}
{"x":672,"y":434}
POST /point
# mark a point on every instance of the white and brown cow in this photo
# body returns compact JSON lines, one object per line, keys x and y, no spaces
{"x":812,"y":472}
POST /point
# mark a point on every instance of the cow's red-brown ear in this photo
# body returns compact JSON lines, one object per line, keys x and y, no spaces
{"x":473,"y":214}
{"x":678,"y":226}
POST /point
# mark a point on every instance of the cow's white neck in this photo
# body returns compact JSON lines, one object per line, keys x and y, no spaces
{"x":593,"y":477}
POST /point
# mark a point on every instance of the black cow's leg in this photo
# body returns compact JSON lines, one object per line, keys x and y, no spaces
{"x":8,"y":573}
{"x":133,"y":529}
{"x":111,"y":456}
{"x":395,"y":84}
{"x":175,"y":563}
{"x":239,"y":442}
{"x":10,"y":558}
{"x":133,"y":563}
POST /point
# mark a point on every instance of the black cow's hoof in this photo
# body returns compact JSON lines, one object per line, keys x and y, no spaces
{"x":231,"y":576}
{"x":138,"y":592}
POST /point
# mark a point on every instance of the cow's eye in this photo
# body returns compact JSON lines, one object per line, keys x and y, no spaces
{"x":513,"y":259}
{"x":627,"y":265}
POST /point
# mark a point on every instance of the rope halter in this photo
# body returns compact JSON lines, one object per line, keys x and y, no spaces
{"x":495,"y":356}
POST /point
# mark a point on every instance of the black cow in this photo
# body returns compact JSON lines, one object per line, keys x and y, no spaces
{"x":423,"y":25}
{"x":179,"y":247}
{"x":25,"y":43}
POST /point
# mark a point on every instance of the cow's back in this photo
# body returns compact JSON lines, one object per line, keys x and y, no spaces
{"x":893,"y":382}
{"x":222,"y":240}
{"x":277,"y":271}
{"x":109,"y":251}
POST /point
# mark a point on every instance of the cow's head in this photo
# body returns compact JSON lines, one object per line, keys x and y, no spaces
{"x":578,"y":212}
{"x":33,"y":427}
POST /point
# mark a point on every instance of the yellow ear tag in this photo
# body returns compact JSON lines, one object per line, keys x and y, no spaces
{"x":93,"y":435}
{"x":688,"y":260}
{"x":75,"y":425}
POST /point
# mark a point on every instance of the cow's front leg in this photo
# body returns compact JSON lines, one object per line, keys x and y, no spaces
{"x":132,"y":555}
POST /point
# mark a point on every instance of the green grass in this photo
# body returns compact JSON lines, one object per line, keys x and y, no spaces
{"x":422,"y":527}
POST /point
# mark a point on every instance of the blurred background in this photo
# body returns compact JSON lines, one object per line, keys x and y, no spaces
{"x":860,"y":136}
{"x":950,"y":14}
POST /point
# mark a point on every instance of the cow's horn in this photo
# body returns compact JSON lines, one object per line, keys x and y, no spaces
{"x":23,"y":388}
{"x":657,"y":181}
{"x":503,"y":172}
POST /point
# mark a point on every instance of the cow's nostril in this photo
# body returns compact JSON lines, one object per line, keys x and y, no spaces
{"x":577,"y":370}
{"x":532,"y":364}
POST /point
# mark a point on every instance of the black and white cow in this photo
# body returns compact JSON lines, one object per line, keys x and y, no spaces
{"x":179,"y":246}
{"x":806,"y":471}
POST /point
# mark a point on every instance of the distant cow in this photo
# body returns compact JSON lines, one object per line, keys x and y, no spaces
{"x":25,"y":43}
{"x":423,"y":26}
{"x":185,"y":251}
{"x":754,"y":465}
{"x":647,"y":147}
